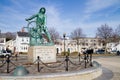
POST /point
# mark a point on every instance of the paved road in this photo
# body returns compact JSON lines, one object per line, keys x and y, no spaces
{"x":110,"y":66}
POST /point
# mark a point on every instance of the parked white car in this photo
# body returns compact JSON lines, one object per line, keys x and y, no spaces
{"x":4,"y":53}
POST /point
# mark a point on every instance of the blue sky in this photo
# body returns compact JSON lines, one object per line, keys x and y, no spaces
{"x":64,"y":15}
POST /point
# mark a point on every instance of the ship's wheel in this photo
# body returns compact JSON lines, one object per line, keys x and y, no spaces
{"x":33,"y":30}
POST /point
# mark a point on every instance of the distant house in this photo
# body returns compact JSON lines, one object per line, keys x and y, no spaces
{"x":118,"y":47}
{"x":21,"y":42}
{"x":111,"y":46}
{"x":84,"y":43}
{"x":2,"y":43}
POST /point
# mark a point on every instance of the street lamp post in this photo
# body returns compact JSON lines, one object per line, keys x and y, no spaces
{"x":78,"y":49}
{"x":64,"y":35}
{"x":67,"y":58}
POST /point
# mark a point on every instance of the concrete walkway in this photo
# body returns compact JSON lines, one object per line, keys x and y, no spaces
{"x":110,"y":66}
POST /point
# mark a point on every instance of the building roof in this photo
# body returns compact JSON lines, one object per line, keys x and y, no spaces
{"x":23,"y":34}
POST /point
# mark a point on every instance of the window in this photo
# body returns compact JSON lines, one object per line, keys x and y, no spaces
{"x":24,"y":48}
{"x":83,"y":44}
{"x":91,"y":40}
{"x":94,"y":40}
{"x":86,"y":44}
{"x":94,"y":44}
{"x":27,"y":40}
{"x":99,"y":44}
{"x":22,"y":40}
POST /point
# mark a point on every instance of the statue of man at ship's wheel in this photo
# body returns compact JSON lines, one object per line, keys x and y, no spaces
{"x":38,"y":30}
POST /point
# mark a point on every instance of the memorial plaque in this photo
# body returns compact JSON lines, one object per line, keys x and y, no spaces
{"x":46,"y":53}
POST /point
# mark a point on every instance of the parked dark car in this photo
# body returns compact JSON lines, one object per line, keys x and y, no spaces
{"x":101,"y":51}
{"x":118,"y":53}
{"x":114,"y":51}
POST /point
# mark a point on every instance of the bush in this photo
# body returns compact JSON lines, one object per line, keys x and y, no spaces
{"x":75,"y":53}
{"x":23,"y":53}
{"x":65,"y":53}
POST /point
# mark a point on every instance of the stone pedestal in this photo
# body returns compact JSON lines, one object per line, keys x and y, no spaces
{"x":46,"y":53}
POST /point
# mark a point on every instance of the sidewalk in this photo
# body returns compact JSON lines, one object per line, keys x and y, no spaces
{"x":111,"y":68}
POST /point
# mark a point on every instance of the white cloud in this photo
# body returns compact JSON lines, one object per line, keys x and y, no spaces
{"x":97,"y":5}
{"x":16,"y":18}
{"x":90,"y":28}
{"x":93,"y":6}
{"x":53,"y":16}
{"x":54,"y":19}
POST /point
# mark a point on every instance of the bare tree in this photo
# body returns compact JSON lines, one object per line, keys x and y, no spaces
{"x":76,"y":35}
{"x":116,"y":35}
{"x":54,"y":34}
{"x":117,"y":30}
{"x":9,"y":36}
{"x":105,"y":32}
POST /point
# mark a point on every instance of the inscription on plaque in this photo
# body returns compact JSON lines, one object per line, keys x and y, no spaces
{"x":44,"y":54}
{"x":47,"y":54}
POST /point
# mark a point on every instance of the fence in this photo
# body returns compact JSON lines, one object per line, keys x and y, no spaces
{"x":67,"y":63}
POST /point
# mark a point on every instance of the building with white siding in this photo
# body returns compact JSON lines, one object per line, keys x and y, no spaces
{"x":2,"y":43}
{"x":80,"y":46}
{"x":22,"y":42}
{"x":118,"y":47}
{"x":113,"y":46}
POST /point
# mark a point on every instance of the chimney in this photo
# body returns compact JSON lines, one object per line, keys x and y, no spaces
{"x":22,"y":29}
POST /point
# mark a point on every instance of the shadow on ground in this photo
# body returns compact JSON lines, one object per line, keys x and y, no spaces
{"x":106,"y":75}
